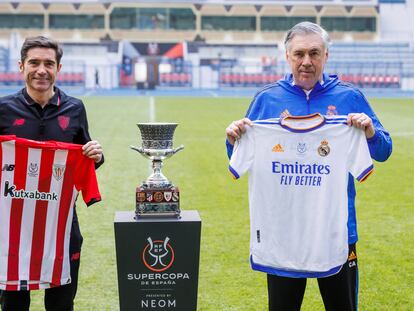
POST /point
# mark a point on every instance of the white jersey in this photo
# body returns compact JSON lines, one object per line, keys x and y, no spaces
{"x":39,"y":183}
{"x":298,"y":176}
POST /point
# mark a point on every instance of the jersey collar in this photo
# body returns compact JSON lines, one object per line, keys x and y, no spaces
{"x":301,"y":124}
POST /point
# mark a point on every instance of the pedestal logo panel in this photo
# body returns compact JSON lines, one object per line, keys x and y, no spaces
{"x":158,"y":264}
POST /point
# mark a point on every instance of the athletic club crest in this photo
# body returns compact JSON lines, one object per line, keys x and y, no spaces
{"x":324,"y":149}
{"x":58,"y":171}
{"x":168,"y":196}
{"x":158,"y":255}
{"x":63,"y":122}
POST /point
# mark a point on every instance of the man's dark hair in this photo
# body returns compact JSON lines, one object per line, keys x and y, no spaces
{"x":40,"y":42}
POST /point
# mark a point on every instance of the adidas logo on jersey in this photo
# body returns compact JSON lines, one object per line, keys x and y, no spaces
{"x":278,"y":148}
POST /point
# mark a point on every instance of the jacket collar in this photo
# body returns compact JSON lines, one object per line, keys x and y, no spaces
{"x":327,"y":82}
{"x":55,"y":100}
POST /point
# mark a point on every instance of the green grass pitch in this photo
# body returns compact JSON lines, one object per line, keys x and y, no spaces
{"x":385,"y":206}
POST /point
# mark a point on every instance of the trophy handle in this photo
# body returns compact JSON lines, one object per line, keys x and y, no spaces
{"x":139,"y":149}
{"x":150,"y":154}
{"x":181,"y":147}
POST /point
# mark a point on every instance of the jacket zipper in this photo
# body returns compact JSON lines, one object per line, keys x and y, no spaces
{"x":307,"y":101}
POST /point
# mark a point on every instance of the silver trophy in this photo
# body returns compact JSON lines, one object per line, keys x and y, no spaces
{"x":157,"y":196}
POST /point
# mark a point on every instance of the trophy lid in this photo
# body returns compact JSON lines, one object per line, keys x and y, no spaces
{"x":157,"y":135}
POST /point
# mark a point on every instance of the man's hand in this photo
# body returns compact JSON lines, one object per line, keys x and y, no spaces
{"x":236,"y":129}
{"x":361,"y":121}
{"x":93,"y":150}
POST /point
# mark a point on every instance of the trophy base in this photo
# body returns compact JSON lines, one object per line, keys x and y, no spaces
{"x":157,"y":202}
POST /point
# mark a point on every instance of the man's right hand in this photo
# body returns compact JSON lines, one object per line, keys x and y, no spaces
{"x":236,"y":129}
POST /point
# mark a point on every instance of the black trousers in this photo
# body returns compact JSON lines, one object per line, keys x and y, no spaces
{"x":339,"y":292}
{"x":57,"y":298}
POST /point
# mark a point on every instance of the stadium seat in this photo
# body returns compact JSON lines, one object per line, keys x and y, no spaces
{"x":242,"y":79}
{"x":183,"y":79}
{"x":366,"y":80}
{"x":3,"y":78}
{"x":395,"y":81}
{"x":380,"y":81}
{"x":249,"y":79}
{"x":373,"y":81}
{"x":388,"y":81}
{"x":258,"y":79}
{"x":175,"y":79}
{"x":226,"y":79}
{"x":168,"y":79}
{"x":358,"y":80}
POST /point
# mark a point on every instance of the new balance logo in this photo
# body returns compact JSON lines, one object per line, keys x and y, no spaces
{"x":278,"y":148}
{"x":8,"y":167}
{"x":18,"y":122}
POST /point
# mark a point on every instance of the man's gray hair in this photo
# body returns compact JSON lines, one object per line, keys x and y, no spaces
{"x":305,"y":28}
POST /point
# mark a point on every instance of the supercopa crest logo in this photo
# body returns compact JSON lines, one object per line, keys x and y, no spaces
{"x":158,"y":255}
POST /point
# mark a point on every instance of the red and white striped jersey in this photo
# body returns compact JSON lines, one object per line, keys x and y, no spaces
{"x":39,"y":184}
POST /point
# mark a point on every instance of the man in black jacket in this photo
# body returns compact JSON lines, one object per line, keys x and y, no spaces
{"x":41,"y":111}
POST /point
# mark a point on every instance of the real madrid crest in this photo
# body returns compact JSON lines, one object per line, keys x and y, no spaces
{"x":324,"y":149}
{"x":331,"y":111}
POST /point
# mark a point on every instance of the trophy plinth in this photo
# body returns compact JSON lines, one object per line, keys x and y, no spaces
{"x":157,"y":196}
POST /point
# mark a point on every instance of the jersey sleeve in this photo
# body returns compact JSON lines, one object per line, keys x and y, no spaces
{"x":243,"y":154}
{"x":86,"y":181}
{"x":359,"y":160}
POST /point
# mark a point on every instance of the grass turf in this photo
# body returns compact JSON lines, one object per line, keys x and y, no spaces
{"x":226,"y":282}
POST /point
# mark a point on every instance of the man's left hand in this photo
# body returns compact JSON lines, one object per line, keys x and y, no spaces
{"x":361,"y":121}
{"x":93,"y":150}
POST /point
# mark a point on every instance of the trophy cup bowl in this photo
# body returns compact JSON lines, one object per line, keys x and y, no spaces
{"x":157,"y":196}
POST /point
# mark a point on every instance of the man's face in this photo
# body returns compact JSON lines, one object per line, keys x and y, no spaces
{"x":307,"y":56}
{"x":40,"y":69}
